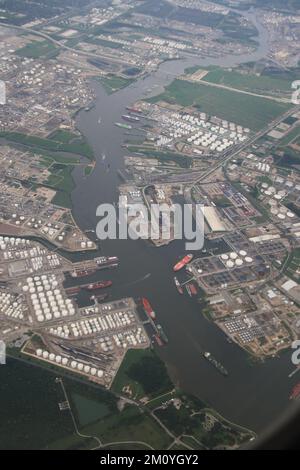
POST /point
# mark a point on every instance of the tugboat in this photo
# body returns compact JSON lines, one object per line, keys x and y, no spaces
{"x":178,"y":286}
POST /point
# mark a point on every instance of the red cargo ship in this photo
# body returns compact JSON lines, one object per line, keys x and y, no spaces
{"x":99,"y":285}
{"x":134,"y":110}
{"x":295,"y":392}
{"x":193,"y":289}
{"x":158,"y":340}
{"x":73,"y":290}
{"x":182,"y":263}
{"x":148,"y":309}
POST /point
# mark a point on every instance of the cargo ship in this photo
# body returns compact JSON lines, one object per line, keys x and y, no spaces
{"x":98,"y":285}
{"x":193,"y":289}
{"x":188,"y":289}
{"x":82,"y":273}
{"x":148,"y":309}
{"x":123,"y":126}
{"x":126,"y":117}
{"x":73,"y":291}
{"x":162,"y":334}
{"x":215,"y":363}
{"x":183,"y":262}
{"x":133,"y":110}
{"x":107,"y":262}
{"x":295,"y":392}
{"x":178,"y":286}
{"x":158,"y":340}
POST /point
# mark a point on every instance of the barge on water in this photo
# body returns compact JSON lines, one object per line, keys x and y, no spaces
{"x":123,"y":126}
{"x":220,"y":368}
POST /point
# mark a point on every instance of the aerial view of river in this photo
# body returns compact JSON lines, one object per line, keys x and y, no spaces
{"x":253,"y":394}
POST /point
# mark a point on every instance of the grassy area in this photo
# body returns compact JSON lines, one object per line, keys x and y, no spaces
{"x":88,"y":170}
{"x":82,"y":148}
{"x":113,"y":83}
{"x":289,"y":159}
{"x":248,"y":82}
{"x":291,"y":137}
{"x":64,"y":137}
{"x":61,"y":180}
{"x":225,"y":104}
{"x":97,"y":414}
{"x":36,"y":49}
{"x":192,"y":442}
{"x":202,"y":428}
{"x":130,"y":425}
{"x":103,"y":42}
{"x":30,"y":416}
{"x":143,"y":373}
{"x":293,"y":264}
{"x":181,"y":160}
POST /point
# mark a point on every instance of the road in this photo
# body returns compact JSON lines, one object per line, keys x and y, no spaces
{"x":77,"y":52}
{"x":227,"y":156}
{"x":238,"y":90}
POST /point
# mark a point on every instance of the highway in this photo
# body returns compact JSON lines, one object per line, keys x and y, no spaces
{"x":229,"y":154}
{"x":237,"y":90}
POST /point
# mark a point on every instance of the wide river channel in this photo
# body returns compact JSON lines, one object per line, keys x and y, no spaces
{"x":252,"y":395}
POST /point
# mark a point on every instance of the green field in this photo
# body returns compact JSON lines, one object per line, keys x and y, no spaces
{"x":291,"y":137}
{"x":37,"y":49}
{"x":130,"y":425}
{"x":82,"y":148}
{"x":145,"y":374}
{"x":293,"y":264}
{"x":163,"y":157}
{"x":61,"y":180}
{"x":248,"y":82}
{"x":30,"y":416}
{"x":248,"y":111}
{"x":96,"y":414}
{"x":103,"y":42}
{"x":113,"y":83}
{"x":64,"y":136}
{"x":192,"y":423}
